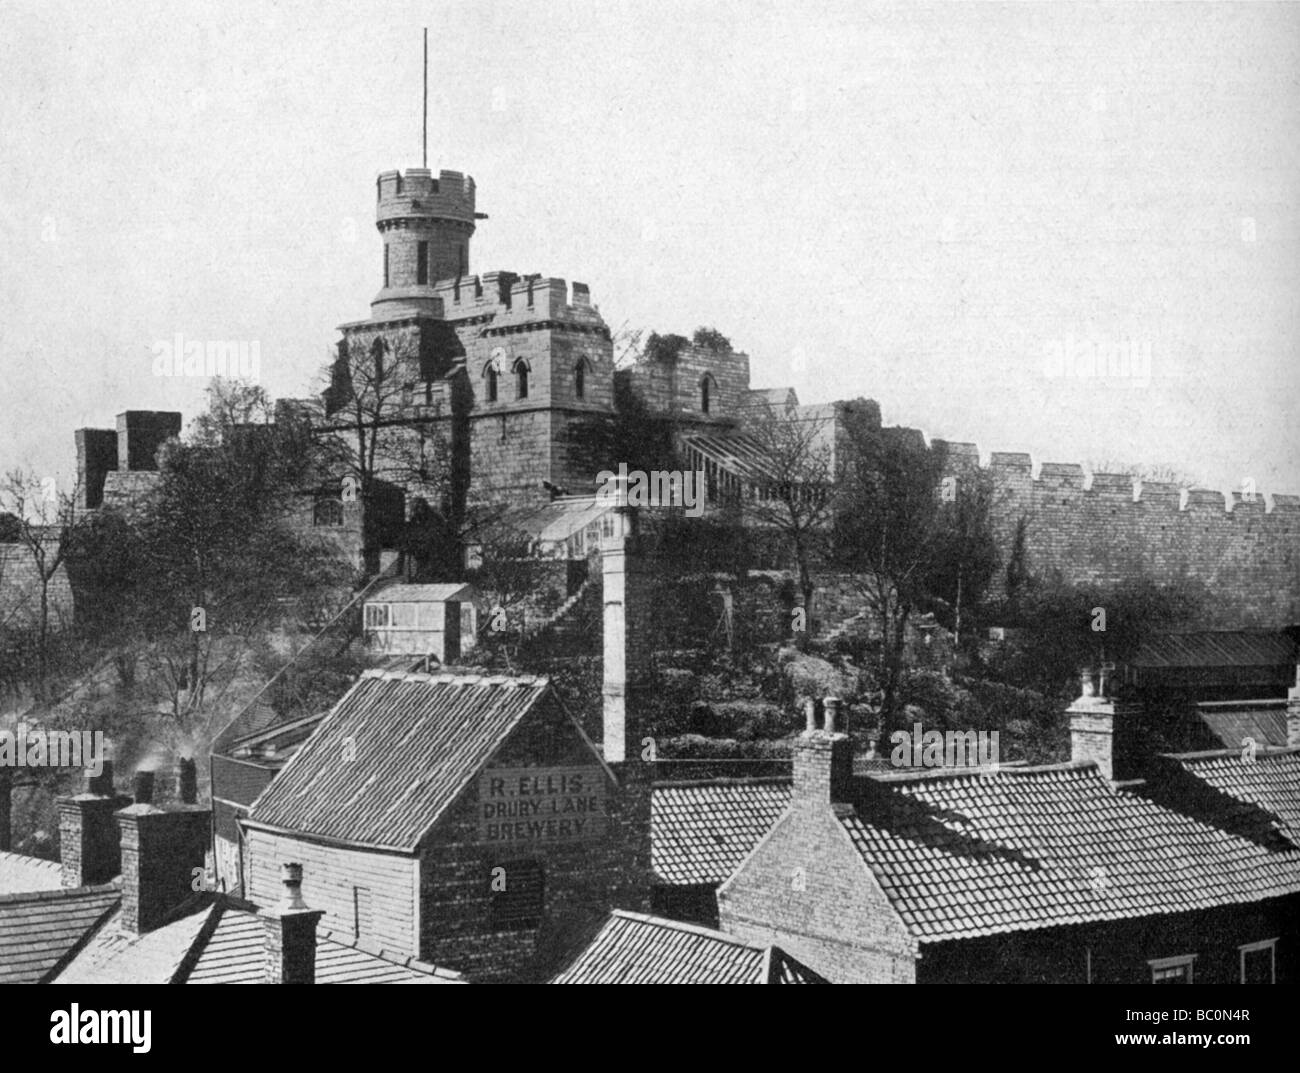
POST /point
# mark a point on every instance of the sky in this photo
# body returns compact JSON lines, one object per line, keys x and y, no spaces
{"x":948,"y":208}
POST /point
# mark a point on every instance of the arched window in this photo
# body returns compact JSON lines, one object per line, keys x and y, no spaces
{"x":492,"y":377}
{"x":580,"y":379}
{"x":521,"y":379}
{"x":377,"y":354}
{"x":708,"y":393}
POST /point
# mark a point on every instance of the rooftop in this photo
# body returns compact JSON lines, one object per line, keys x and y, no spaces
{"x":701,"y":831}
{"x":635,"y":949}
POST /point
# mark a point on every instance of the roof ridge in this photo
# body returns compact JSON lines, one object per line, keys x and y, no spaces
{"x":445,"y":678}
{"x":60,"y":893}
{"x":680,"y":925}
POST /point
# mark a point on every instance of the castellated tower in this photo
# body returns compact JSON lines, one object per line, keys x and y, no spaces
{"x":426,"y":224}
{"x":504,"y":368}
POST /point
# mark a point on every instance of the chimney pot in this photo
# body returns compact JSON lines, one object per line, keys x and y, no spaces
{"x":832,"y":707}
{"x":102,"y":784}
{"x":142,"y":786}
{"x":289,"y":931}
{"x":810,"y":711}
{"x":291,"y":876}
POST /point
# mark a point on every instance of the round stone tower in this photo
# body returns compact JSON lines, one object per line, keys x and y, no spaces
{"x":426,"y":224}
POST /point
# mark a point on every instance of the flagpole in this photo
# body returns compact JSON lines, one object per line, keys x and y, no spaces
{"x":424,"y":126}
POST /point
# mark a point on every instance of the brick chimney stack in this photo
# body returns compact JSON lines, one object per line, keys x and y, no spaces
{"x":290,"y":933}
{"x":823,"y":756}
{"x":88,"y":840}
{"x":1097,"y":722}
{"x":627,"y":638}
{"x":161,"y":847}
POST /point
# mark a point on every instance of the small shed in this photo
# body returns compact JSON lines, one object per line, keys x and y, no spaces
{"x":422,"y":620}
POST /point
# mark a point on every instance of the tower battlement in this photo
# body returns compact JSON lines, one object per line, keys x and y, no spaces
{"x":511,"y":299}
{"x":415,"y":193}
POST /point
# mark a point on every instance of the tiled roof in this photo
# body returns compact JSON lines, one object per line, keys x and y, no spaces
{"x":221,"y":942}
{"x":700,"y":832}
{"x":636,"y":949}
{"x":1270,"y":782}
{"x":1216,"y":648}
{"x":964,"y":855}
{"x":1232,"y":722}
{"x":20,"y":874}
{"x":37,"y":931}
{"x":115,"y":956}
{"x":236,"y":954}
{"x":417,"y":741}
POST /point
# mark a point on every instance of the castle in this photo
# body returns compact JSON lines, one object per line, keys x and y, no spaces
{"x":503,"y":369}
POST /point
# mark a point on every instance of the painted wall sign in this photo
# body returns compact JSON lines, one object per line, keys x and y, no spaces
{"x":541,"y":804}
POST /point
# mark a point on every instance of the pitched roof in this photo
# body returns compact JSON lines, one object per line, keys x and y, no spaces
{"x":236,"y":954}
{"x":1270,"y":782}
{"x":417,"y":740}
{"x":1216,"y":648}
{"x":20,"y":874}
{"x":635,"y":949}
{"x":1233,"y":722}
{"x":220,"y":940}
{"x":701,"y":831}
{"x":401,"y":593}
{"x":38,"y":930}
{"x":972,"y":854}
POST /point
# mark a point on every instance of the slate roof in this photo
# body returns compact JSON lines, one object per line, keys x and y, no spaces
{"x":419,"y":740}
{"x":1271,"y":782}
{"x":635,"y":949}
{"x":976,"y":854}
{"x":701,"y":831}
{"x":220,"y":941}
{"x":39,"y":930}
{"x":1232,"y":722}
{"x":1216,"y":648}
{"x":20,"y":874}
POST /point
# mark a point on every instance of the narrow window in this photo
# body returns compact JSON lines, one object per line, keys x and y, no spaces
{"x":707,"y":392}
{"x":422,"y":262}
{"x":521,"y":380}
{"x":463,"y":265}
{"x":516,"y":897}
{"x":491,"y":384}
{"x":385,"y":264}
{"x":580,"y":380}
{"x":1259,"y":962}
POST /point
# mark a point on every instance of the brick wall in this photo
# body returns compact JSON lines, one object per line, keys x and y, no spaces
{"x":583,"y":880}
{"x":806,"y":889}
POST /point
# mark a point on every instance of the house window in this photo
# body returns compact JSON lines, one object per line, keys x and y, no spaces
{"x":708,"y":393}
{"x":1176,"y":970}
{"x":521,"y":380}
{"x":492,"y":377}
{"x":376,"y":616}
{"x":421,"y":262}
{"x":1259,"y":962}
{"x":327,"y":511}
{"x":580,"y":379}
{"x":517,"y":889}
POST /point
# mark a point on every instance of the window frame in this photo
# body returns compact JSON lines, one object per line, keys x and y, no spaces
{"x":1254,"y":948}
{"x":522,"y":373}
{"x":1181,"y":961}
